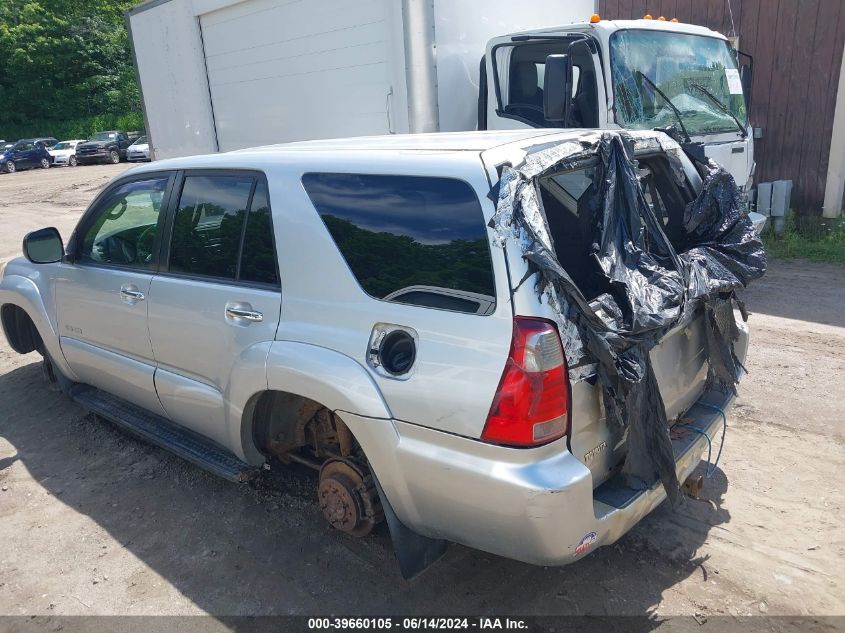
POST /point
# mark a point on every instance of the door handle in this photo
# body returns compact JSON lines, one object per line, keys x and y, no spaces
{"x":131,"y":293}
{"x":244,"y":313}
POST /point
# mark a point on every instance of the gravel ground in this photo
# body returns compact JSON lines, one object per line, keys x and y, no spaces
{"x":94,"y":522}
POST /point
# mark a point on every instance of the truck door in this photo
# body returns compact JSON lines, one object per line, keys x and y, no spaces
{"x":515,"y":78}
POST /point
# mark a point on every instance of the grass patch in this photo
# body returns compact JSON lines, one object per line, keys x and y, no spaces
{"x":813,"y":238}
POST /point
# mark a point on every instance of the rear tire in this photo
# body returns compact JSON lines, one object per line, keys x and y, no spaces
{"x":114,"y":157}
{"x":10,"y":168}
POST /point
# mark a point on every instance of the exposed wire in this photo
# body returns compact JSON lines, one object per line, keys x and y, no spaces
{"x":731,"y":11}
{"x":711,"y":468}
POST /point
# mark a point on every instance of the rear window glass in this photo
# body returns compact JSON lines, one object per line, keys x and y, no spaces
{"x":409,"y":239}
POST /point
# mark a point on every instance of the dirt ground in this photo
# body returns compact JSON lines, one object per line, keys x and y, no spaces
{"x":94,"y":522}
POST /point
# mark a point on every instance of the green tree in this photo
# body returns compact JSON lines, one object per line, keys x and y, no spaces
{"x":64,"y":60}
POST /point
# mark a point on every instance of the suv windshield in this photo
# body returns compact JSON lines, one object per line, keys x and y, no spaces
{"x":104,"y":136}
{"x":684,"y":67}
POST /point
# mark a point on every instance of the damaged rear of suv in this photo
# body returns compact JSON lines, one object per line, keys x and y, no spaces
{"x":515,"y":341}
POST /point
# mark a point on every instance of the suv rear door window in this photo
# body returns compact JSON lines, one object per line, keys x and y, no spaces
{"x":258,"y":262}
{"x":214,"y":236}
{"x":208,"y":225}
{"x":409,"y":239}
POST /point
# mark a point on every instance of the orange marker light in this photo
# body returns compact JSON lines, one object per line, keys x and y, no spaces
{"x":647,"y":16}
{"x":661,"y":19}
{"x":674,"y":20}
{"x":595,"y":18}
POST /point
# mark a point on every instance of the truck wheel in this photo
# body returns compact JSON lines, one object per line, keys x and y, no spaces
{"x":10,"y":167}
{"x":72,"y":161}
{"x":114,"y":157}
{"x":45,"y":164}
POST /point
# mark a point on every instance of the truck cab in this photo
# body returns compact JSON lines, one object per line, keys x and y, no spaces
{"x":632,"y":74}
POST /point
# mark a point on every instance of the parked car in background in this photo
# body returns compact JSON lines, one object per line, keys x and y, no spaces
{"x":139,"y":150}
{"x":64,"y":153}
{"x":26,"y":154}
{"x":103,"y":147}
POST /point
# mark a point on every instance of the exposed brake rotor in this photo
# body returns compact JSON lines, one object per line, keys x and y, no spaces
{"x":348,"y":497}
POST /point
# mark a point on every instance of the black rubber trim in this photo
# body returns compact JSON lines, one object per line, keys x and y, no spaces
{"x":415,"y":552}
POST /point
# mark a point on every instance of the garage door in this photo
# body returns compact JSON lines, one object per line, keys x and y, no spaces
{"x":284,"y":71}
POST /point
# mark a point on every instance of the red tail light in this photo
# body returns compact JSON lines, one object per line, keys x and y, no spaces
{"x":531,"y":405}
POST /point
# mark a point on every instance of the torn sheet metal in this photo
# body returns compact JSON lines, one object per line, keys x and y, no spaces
{"x":645,"y":285}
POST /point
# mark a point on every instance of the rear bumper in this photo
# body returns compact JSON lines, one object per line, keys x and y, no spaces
{"x":534,"y":505}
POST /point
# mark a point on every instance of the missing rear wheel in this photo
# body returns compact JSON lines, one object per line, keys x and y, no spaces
{"x":348,"y":498}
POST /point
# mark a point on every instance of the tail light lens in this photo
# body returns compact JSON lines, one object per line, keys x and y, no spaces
{"x":531,"y":405}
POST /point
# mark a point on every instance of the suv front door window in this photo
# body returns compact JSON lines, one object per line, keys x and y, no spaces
{"x":124,"y":232}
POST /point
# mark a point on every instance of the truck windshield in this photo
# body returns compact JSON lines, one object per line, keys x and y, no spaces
{"x":680,"y":65}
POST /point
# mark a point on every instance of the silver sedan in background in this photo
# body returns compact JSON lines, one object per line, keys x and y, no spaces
{"x":139,"y":150}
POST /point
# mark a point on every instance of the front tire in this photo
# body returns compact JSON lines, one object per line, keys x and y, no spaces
{"x":114,"y":157}
{"x":45,"y":164}
{"x":72,"y":161}
{"x":11,"y":168}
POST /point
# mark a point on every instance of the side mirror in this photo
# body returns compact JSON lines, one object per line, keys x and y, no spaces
{"x":746,"y":78}
{"x":557,"y":88}
{"x":43,"y":246}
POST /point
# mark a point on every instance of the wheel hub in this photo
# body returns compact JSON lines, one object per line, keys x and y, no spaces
{"x":347,"y":498}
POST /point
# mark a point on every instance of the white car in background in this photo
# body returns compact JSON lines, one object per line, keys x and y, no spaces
{"x":139,"y":150}
{"x":64,"y":152}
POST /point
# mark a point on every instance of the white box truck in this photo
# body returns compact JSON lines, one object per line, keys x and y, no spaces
{"x":220,"y":75}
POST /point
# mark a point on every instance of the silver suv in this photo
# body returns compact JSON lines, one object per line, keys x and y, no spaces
{"x":362,"y":307}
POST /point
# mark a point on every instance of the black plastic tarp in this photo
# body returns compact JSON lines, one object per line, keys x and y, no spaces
{"x":650,"y":284}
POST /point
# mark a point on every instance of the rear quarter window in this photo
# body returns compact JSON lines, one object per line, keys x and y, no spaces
{"x":409,"y":239}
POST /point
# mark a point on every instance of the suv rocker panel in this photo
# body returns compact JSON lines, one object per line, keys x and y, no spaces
{"x":162,"y":432}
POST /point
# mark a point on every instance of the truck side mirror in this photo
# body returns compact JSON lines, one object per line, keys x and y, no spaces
{"x":746,"y":77}
{"x":43,"y":246}
{"x":557,"y":88}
